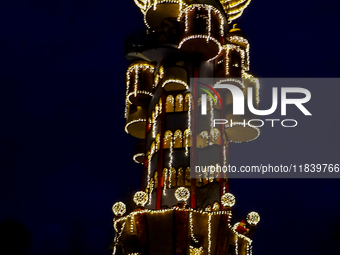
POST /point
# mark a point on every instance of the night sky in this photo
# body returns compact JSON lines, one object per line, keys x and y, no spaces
{"x":65,"y":157}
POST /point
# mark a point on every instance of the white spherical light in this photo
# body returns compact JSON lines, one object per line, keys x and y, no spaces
{"x":228,"y":199}
{"x":119,"y":208}
{"x":182,"y":194}
{"x":140,"y":198}
{"x":253,"y":218}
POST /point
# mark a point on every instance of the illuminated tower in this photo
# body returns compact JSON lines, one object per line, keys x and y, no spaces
{"x":177,"y":214}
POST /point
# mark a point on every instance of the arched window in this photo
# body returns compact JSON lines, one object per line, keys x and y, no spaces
{"x":158,"y":141}
{"x":167,"y":139}
{"x":172,"y":178}
{"x":187,"y":101}
{"x":179,"y":103}
{"x":169,"y":103}
{"x":215,"y":136}
{"x":155,"y":177}
{"x":187,"y":177}
{"x":180,"y":177}
{"x":187,"y":138}
{"x":202,"y":139}
{"x":178,"y":139}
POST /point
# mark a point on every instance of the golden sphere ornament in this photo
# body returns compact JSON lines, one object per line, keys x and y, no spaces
{"x":182,"y":194}
{"x":119,"y":208}
{"x":228,"y":200}
{"x":253,"y":218}
{"x":140,"y":198}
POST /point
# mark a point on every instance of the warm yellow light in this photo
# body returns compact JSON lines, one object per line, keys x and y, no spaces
{"x":182,"y":194}
{"x":119,"y":208}
{"x":140,"y":198}
{"x":228,"y":199}
{"x":253,"y":218}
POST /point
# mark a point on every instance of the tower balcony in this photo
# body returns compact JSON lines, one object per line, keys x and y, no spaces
{"x":136,"y":121}
{"x":156,"y":11}
{"x":139,"y":83}
{"x":175,"y":78}
{"x":202,"y":28}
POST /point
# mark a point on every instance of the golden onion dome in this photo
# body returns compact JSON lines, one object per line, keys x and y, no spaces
{"x":234,"y":8}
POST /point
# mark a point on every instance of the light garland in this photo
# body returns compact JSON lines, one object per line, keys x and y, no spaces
{"x":132,"y":122}
{"x":189,"y":125}
{"x":239,"y":39}
{"x":140,"y":198}
{"x":253,"y":218}
{"x":209,"y":234}
{"x":192,"y":228}
{"x":175,"y":81}
{"x":202,"y":37}
{"x":132,"y":220}
{"x":136,"y":67}
{"x":148,"y":6}
{"x":256,"y":82}
{"x":170,"y":160}
{"x":228,"y":200}
{"x":208,"y":8}
{"x":151,"y":189}
{"x":119,"y":208}
{"x":137,"y":92}
{"x":164,"y":181}
{"x":136,"y":156}
{"x":228,"y":47}
{"x":238,"y":81}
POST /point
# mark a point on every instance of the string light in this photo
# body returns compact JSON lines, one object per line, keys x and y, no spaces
{"x":132,"y":220}
{"x":191,"y":37}
{"x":208,"y":8}
{"x":241,"y":40}
{"x":192,"y":228}
{"x":188,"y":131}
{"x":176,"y":81}
{"x":151,"y":189}
{"x":170,"y":160}
{"x":255,"y":81}
{"x":132,"y":122}
{"x":209,"y":234}
{"x":136,"y":156}
{"x":164,"y":181}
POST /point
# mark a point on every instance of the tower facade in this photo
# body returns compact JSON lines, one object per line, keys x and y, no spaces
{"x":178,"y":212}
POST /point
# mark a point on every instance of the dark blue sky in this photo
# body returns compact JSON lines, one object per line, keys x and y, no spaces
{"x":64,"y":155}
